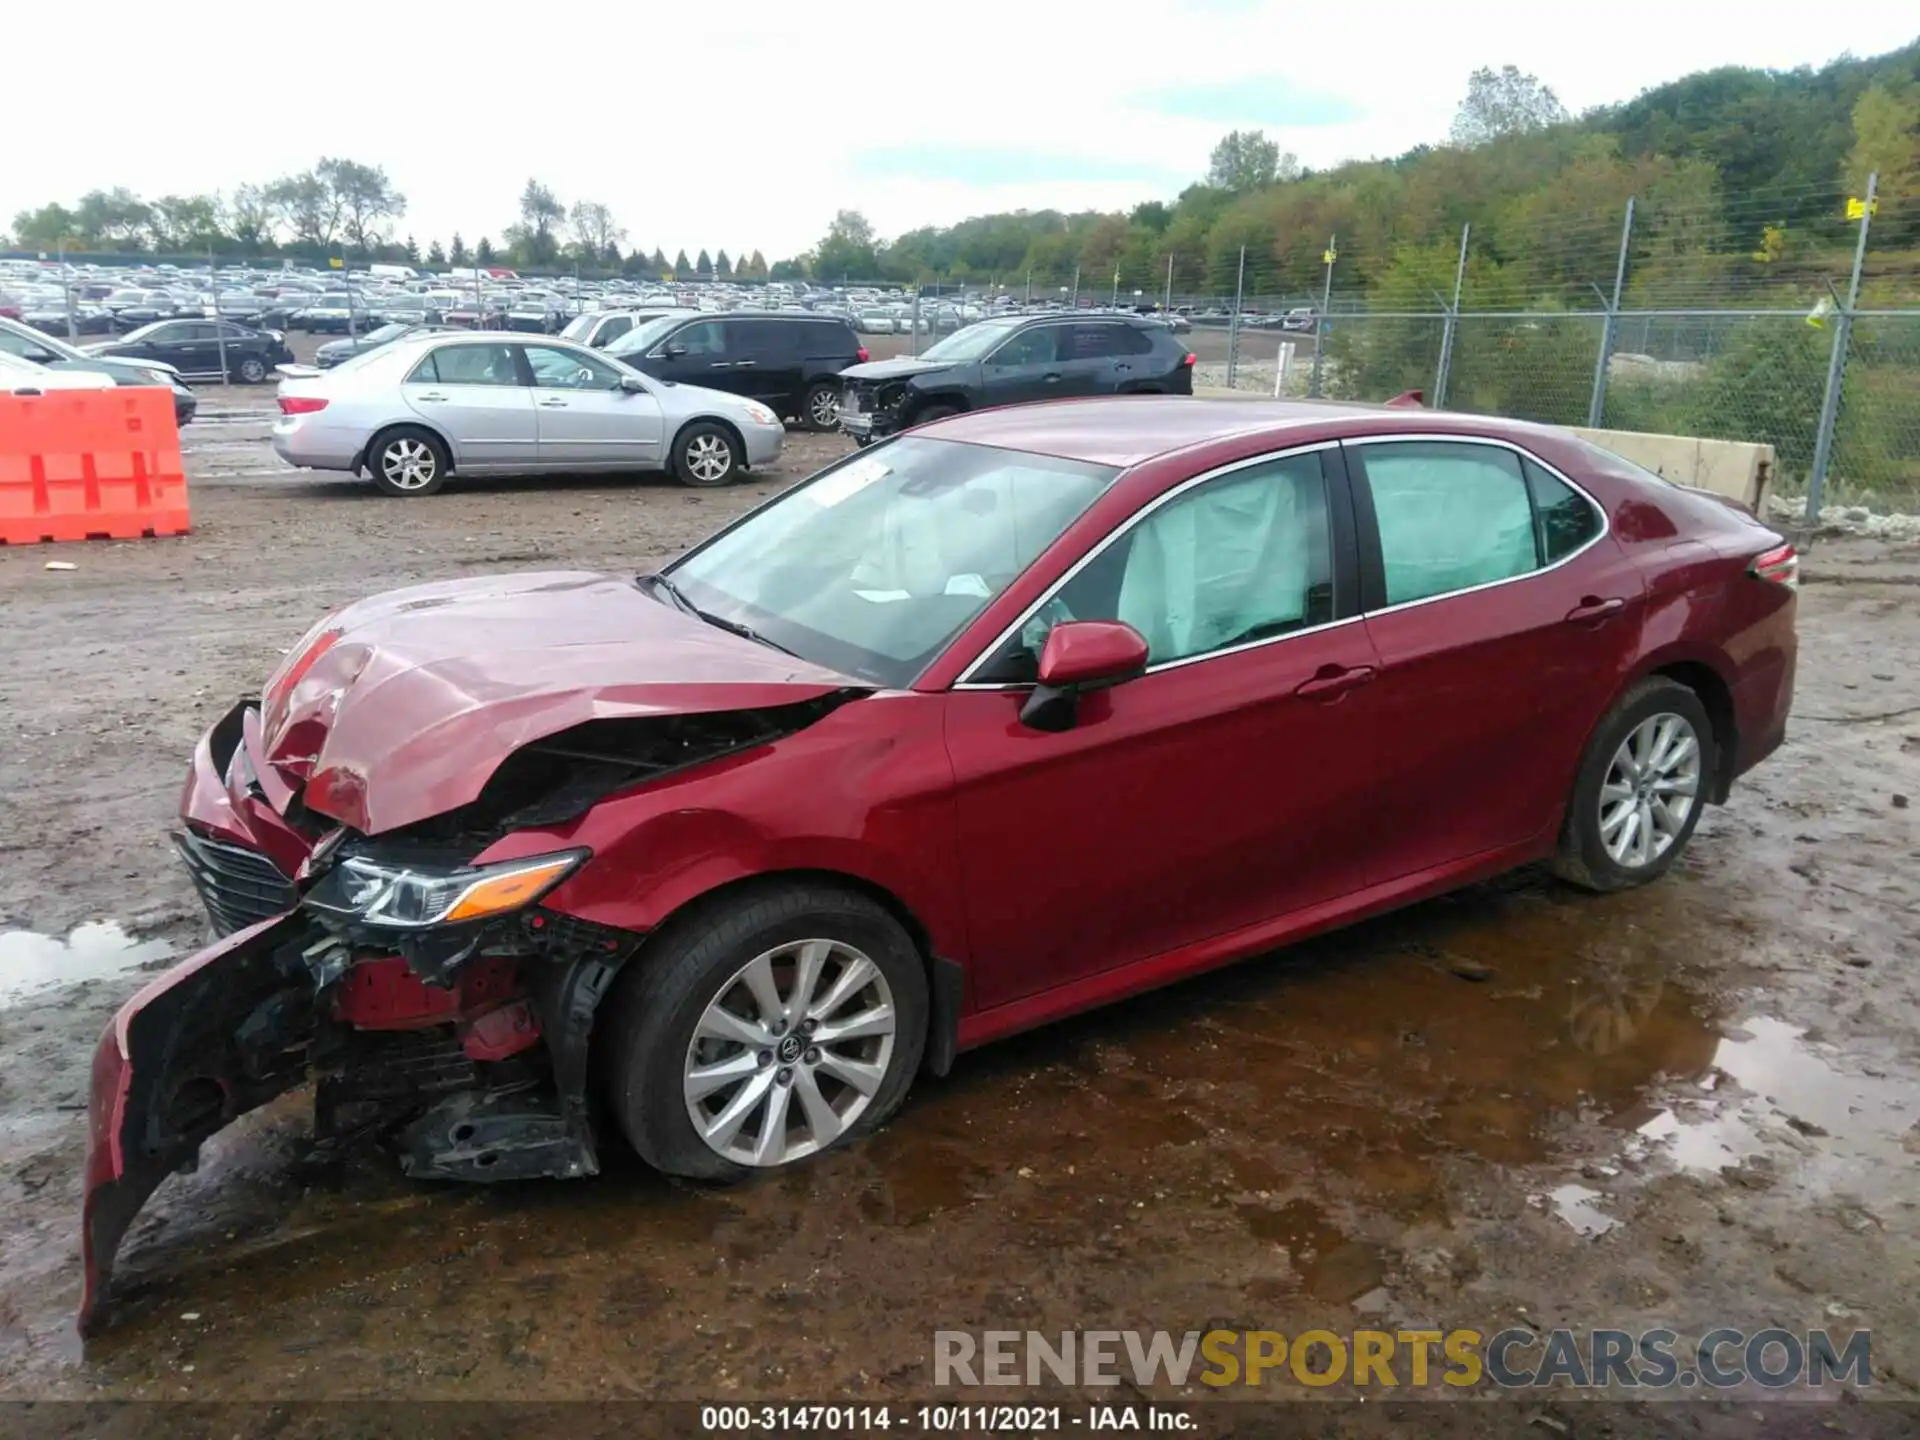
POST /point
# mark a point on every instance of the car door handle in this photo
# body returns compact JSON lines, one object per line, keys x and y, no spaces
{"x":721,"y":365}
{"x":431,"y":395}
{"x":1592,"y":607}
{"x":1330,"y":682}
{"x":553,"y":404}
{"x":745,"y":364}
{"x":1052,"y":377}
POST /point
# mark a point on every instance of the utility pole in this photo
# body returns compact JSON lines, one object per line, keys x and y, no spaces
{"x":1320,"y":321}
{"x":1597,"y":407}
{"x":219,"y":330}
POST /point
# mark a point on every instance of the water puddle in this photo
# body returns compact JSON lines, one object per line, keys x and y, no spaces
{"x":34,"y":965}
{"x":1790,"y":1098}
{"x":1581,"y":1208}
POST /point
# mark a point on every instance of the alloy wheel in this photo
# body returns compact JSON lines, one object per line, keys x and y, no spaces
{"x":709,"y":457}
{"x":789,"y":1053}
{"x":1651,"y":788}
{"x":408,"y":464}
{"x":826,"y":408}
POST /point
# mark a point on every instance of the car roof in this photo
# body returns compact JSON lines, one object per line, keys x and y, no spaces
{"x":1124,"y":430}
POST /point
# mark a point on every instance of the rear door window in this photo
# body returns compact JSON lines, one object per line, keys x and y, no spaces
{"x":1451,"y":516}
{"x":1096,"y":342}
{"x":466,"y":365}
{"x":761,"y":339}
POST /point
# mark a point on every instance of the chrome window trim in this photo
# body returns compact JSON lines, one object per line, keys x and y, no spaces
{"x":1606,"y":520}
{"x":965,"y":682}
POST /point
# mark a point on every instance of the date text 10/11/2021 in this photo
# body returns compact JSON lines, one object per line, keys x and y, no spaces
{"x":943,"y":1419}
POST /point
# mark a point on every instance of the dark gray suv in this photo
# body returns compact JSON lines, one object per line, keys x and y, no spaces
{"x":1010,"y":362}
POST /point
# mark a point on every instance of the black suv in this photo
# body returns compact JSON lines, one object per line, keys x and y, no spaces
{"x":790,"y":363}
{"x":1006,"y":362}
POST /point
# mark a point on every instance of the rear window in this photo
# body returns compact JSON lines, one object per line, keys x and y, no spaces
{"x":830,"y":337}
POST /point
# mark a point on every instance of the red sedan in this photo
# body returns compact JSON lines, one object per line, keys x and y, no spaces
{"x":1020,"y":712}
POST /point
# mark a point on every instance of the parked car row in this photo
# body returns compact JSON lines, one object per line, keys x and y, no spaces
{"x":22,"y":343}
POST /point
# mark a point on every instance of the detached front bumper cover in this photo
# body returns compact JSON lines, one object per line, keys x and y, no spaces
{"x":199,"y":1047}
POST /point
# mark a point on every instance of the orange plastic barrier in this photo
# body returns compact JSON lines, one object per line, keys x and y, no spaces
{"x":90,"y":464}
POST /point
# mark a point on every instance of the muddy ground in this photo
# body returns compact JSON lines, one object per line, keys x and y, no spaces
{"x":1693,"y":1105}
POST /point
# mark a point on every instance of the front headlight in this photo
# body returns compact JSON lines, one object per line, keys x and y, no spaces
{"x":156,"y":377}
{"x":760,"y":414}
{"x":416,"y":897}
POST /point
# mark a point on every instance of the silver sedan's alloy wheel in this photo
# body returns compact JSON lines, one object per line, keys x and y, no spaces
{"x":826,"y":408}
{"x":709,"y":457}
{"x":1650,"y":790}
{"x":408,"y":464}
{"x":790,"y":1053}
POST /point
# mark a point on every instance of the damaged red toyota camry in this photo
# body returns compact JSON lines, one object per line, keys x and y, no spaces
{"x":1003,"y":718}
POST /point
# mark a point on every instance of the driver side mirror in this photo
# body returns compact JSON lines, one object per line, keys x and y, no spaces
{"x":632,"y":385}
{"x":40,"y":357}
{"x":1081,"y":655}
{"x":674,"y":350}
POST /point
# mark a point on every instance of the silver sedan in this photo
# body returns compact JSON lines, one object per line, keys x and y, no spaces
{"x":414,"y":412}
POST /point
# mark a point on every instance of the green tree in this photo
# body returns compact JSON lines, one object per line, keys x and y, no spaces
{"x":1504,"y":102}
{"x":847,"y":250}
{"x":112,"y":219}
{"x":310,"y":208}
{"x":722,"y":267}
{"x":1886,"y":141}
{"x":412,"y":251}
{"x":658,"y":264}
{"x":251,"y":218}
{"x":185,"y":224}
{"x":1247,"y":159}
{"x":703,"y":266}
{"x":48,"y":228}
{"x":759,"y":266}
{"x":682,"y":267}
{"x":483,"y":252}
{"x":364,"y":200}
{"x":436,"y":257}
{"x":457,"y":251}
{"x":532,"y":238}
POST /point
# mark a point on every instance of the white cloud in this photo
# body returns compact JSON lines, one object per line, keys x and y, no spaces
{"x":742,"y":132}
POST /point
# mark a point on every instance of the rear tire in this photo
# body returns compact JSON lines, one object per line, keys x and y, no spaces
{"x":706,"y":455}
{"x":408,"y":461}
{"x":661,"y":1031}
{"x":251,"y":370}
{"x":1640,"y":789}
{"x":820,"y":408}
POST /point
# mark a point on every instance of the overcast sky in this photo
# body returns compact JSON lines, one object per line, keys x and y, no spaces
{"x":744,"y":124}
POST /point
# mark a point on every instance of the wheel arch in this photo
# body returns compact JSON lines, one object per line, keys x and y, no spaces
{"x":944,"y":976}
{"x":733,"y":430}
{"x":955,"y":399}
{"x":364,"y":459}
{"x":1716,"y":694}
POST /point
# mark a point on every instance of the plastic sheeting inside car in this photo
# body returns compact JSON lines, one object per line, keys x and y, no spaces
{"x":1450,"y":517}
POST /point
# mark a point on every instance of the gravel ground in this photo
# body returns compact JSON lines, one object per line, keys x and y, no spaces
{"x":1691,"y":1105}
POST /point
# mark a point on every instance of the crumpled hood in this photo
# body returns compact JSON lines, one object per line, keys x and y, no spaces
{"x":902,"y":369}
{"x":399,"y":707}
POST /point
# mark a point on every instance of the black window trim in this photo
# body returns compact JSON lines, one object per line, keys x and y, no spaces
{"x":1340,"y":535}
{"x":1373,"y":574}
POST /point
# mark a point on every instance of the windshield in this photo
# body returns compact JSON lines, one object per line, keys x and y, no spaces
{"x":873,"y":566}
{"x":972,"y":342}
{"x":385,"y":333}
{"x":644,"y":337}
{"x":577,"y":329}
{"x":14,"y":343}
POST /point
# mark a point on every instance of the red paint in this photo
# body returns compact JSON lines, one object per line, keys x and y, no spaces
{"x":1088,"y":650}
{"x":381,"y":993}
{"x":501,"y":1032}
{"x":1191,"y":815}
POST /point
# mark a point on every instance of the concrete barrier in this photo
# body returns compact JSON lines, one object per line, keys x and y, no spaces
{"x":1733,"y":468}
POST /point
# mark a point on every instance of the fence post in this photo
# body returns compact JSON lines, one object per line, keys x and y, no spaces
{"x":1320,"y":323}
{"x":913,"y":345}
{"x":1233,"y":321}
{"x":219,"y":330}
{"x":1074,"y":303}
{"x":1452,"y":321}
{"x":1168,"y":306}
{"x":1597,"y":406}
{"x":1837,"y":365}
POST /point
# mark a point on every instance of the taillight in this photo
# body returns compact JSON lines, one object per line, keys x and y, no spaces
{"x":301,"y":404}
{"x":862,"y":353}
{"x":1190,"y":359}
{"x":1780,"y":567}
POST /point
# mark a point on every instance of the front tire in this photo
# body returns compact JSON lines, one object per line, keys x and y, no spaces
{"x":251,"y":370}
{"x":408,"y":462}
{"x":706,"y":455}
{"x":1641,"y":786}
{"x":765,"y":1028}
